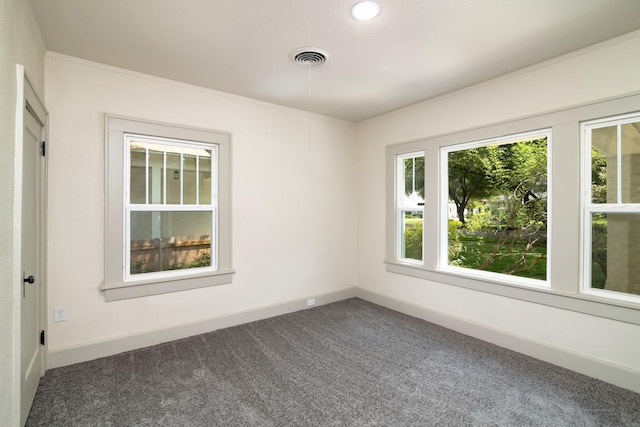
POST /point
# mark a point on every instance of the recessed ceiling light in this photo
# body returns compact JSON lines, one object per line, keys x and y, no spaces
{"x":365,"y":10}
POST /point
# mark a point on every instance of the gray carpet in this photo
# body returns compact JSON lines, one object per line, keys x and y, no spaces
{"x":351,"y":363}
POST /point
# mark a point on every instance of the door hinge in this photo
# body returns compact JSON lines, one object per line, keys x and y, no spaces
{"x":43,"y":148}
{"x":41,"y":337}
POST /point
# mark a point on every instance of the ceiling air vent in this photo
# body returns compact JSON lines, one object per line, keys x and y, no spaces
{"x":309,"y":56}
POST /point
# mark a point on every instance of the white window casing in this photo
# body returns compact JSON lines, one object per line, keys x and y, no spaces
{"x":120,"y":281}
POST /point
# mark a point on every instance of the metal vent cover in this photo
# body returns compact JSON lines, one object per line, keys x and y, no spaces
{"x":309,"y":56}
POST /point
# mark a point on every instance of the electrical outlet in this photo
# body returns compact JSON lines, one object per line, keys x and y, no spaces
{"x":311,"y":302}
{"x":59,"y":314}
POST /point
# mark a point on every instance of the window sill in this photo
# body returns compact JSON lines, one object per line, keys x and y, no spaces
{"x":143,"y":288}
{"x":616,"y":310}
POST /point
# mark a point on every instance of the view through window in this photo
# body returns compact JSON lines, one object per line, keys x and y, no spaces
{"x":410,"y":204}
{"x":497,"y":205}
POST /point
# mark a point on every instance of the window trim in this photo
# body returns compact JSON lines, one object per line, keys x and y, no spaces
{"x":114,"y":286}
{"x":564,"y":210}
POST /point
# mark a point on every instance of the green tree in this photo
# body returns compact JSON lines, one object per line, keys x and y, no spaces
{"x":513,"y":176}
{"x":519,"y":169}
{"x":519,"y":172}
{"x":469,"y":177}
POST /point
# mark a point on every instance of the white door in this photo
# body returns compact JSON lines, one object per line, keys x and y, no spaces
{"x":30,"y":327}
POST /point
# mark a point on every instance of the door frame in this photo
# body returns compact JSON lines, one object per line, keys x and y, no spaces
{"x":27,"y":98}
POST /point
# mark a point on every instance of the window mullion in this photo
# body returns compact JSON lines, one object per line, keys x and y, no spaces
{"x":614,"y":208}
{"x":169,"y":208}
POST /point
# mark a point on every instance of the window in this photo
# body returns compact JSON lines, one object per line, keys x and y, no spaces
{"x":494,"y":206}
{"x":611,"y":215}
{"x":543,"y":209}
{"x":410,"y":204}
{"x":168,"y":208}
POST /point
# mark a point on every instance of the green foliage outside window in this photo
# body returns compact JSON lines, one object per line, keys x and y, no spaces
{"x":413,"y":241}
{"x":500,"y":196}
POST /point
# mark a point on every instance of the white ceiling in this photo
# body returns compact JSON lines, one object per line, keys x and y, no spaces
{"x":414,"y":50}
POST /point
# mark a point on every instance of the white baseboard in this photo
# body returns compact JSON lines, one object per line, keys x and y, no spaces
{"x":609,"y":372}
{"x":67,"y":356}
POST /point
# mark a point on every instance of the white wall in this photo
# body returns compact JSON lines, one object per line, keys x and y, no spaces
{"x":293,"y":211}
{"x":599,"y":72}
{"x":20,"y":43}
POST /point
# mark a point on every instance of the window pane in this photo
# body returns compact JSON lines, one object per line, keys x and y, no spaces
{"x":162,"y":241}
{"x":612,"y":145}
{"x":604,"y":165}
{"x":205,"y":176}
{"x":411,"y":235}
{"x":156,"y":167}
{"x":189,"y":170}
{"x":411,"y":189}
{"x":173,"y":175}
{"x":498,"y":208}
{"x":630,"y":134}
{"x":615,"y":243}
{"x":138,"y":187}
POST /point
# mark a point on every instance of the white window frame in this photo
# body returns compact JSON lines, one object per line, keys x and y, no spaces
{"x":164,"y":207}
{"x":443,"y":258}
{"x":118,"y":283}
{"x":565,"y":268}
{"x":401,"y":208}
{"x":588,"y":207}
